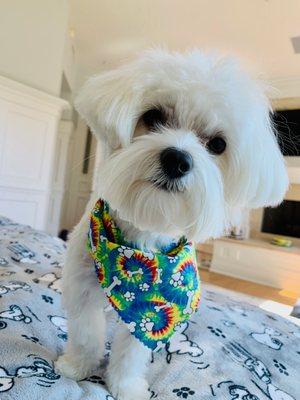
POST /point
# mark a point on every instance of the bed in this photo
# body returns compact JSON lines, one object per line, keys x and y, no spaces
{"x":230,"y":350}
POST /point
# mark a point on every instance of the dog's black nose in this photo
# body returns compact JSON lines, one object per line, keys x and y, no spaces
{"x":175,"y":163}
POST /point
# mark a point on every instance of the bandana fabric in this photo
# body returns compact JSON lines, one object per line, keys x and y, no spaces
{"x":152,"y":292}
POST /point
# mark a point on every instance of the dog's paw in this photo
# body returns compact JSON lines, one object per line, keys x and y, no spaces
{"x":71,"y":368}
{"x":130,"y":390}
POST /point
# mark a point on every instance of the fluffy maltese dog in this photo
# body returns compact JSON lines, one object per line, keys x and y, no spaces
{"x":188,"y":144}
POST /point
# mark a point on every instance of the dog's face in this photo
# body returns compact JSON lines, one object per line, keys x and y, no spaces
{"x":190,"y":143}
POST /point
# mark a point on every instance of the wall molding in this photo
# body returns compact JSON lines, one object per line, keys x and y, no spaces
{"x":21,"y":94}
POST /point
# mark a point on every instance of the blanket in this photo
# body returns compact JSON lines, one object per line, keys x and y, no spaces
{"x":230,"y":349}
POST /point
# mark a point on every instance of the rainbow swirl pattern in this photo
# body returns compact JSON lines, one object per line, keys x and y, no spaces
{"x":151,"y":292}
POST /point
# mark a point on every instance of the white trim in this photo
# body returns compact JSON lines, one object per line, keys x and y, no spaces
{"x":37,"y":192}
{"x":25,"y":95}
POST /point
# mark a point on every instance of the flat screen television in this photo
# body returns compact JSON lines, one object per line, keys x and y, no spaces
{"x":287,"y":124}
{"x":283,"y":220}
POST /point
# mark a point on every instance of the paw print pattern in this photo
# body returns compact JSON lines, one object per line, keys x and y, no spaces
{"x":126,"y":251}
{"x":146,"y":325}
{"x":172,"y":259}
{"x":95,"y":379}
{"x":29,"y":271}
{"x":56,"y":264}
{"x":281,"y":368}
{"x":47,"y":299}
{"x":216,"y":331}
{"x":131,"y":326}
{"x":102,"y":238}
{"x":149,"y":255}
{"x":176,"y":279}
{"x":129,"y":296}
{"x":63,"y":336}
{"x":33,"y":339}
{"x":184,"y":392}
{"x":144,"y":287}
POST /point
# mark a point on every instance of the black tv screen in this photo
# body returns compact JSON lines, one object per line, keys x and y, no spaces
{"x":287,"y":124}
{"x":283,"y":220}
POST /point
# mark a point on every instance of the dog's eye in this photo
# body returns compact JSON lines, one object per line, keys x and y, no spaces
{"x":216,"y":145}
{"x":154,"y":117}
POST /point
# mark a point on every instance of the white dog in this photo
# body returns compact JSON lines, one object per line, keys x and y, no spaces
{"x":188,"y":143}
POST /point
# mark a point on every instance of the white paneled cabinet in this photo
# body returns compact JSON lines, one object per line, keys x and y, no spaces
{"x":33,"y":149}
{"x":258,"y":261}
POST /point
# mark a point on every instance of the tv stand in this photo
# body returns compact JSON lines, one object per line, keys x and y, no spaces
{"x":257,"y":260}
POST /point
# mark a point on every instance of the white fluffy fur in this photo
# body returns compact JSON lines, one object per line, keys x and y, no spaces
{"x":207,"y":95}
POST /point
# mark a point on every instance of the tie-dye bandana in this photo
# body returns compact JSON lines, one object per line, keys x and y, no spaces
{"x":153,"y":293}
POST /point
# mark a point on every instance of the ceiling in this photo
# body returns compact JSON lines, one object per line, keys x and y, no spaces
{"x":258,"y":31}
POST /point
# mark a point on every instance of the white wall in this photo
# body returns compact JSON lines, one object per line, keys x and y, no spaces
{"x":32,"y":41}
{"x":69,"y":61}
{"x":78,"y":185}
{"x":258,"y":31}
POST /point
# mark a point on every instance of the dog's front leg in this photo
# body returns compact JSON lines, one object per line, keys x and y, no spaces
{"x":85,"y":347}
{"x":126,"y":374}
{"x":83,"y":301}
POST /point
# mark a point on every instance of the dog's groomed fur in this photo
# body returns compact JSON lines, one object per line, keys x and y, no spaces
{"x":202,"y":108}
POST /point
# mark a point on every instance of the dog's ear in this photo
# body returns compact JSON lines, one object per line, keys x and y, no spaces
{"x":266,"y":164}
{"x":257,"y":169}
{"x":108,"y":102}
{"x":272,"y":179}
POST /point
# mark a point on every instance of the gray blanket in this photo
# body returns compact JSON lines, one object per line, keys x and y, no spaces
{"x":230,"y":350}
